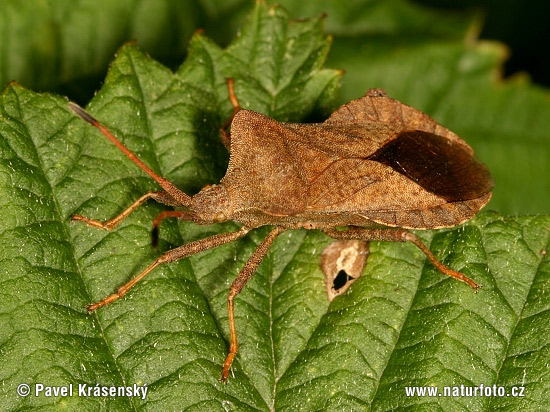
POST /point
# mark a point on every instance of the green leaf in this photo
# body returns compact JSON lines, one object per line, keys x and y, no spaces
{"x":66,"y":45}
{"x":401,"y":324}
{"x":47,"y":43}
{"x":383,"y":18}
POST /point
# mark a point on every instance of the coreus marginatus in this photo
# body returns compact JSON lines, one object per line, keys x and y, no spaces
{"x":375,"y":166}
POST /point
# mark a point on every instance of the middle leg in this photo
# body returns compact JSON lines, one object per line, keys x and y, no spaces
{"x":171,"y":256}
{"x":238,"y":284}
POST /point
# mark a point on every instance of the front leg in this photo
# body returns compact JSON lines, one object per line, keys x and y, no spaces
{"x":399,"y":235}
{"x":159,"y":196}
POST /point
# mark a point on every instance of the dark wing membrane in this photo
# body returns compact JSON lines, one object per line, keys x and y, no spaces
{"x":441,"y":166}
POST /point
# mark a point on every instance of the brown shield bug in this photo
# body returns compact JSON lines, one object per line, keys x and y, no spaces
{"x":376,"y":167}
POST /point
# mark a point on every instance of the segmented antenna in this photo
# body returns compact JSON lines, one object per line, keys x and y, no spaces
{"x":172,"y":190}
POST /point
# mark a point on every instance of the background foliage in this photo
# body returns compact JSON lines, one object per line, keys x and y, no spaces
{"x":402,"y":324}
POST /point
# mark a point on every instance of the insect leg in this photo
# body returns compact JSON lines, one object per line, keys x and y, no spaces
{"x":224,"y":134}
{"x":182,"y":198}
{"x":238,"y":284}
{"x":171,"y":256}
{"x":400,"y":235}
{"x":161,"y":197}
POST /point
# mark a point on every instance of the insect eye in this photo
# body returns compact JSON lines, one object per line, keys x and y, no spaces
{"x":220,"y":217}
